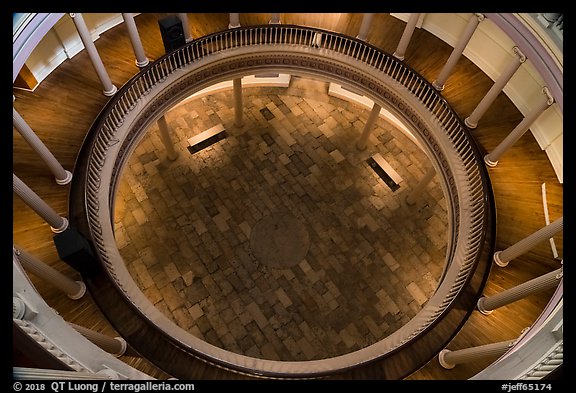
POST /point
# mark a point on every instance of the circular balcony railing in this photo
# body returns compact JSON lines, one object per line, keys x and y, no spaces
{"x":300,"y":51}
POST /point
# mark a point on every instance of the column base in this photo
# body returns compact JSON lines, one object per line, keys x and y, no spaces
{"x":399,"y":57}
{"x":490,"y":163}
{"x":480,"y":306}
{"x":360,"y":146}
{"x":469,"y":124}
{"x":62,"y":228}
{"x":66,"y":180}
{"x":174,"y":157}
{"x":442,"y":362}
{"x":142,"y":63}
{"x":361,"y":38}
{"x":122,"y":348}
{"x":498,"y":261}
{"x":437,"y":86}
{"x":80,"y":293}
{"x":111,"y":92}
{"x":233,"y":27}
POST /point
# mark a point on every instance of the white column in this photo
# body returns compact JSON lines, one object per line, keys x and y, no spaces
{"x":472,"y":120}
{"x":186,"y":26}
{"x":238,"y":106}
{"x":491,"y":159}
{"x":114,"y":345}
{"x":74,"y":289}
{"x":406,"y":36}
{"x":416,"y":191}
{"x":487,"y":304}
{"x":365,"y":26}
{"x":274,"y":19}
{"x":141,"y":59}
{"x":457,"y":51}
{"x":448,"y":359}
{"x":62,"y":175}
{"x":234,"y":20}
{"x":166,"y":140}
{"x":361,"y":144}
{"x":57,"y":224}
{"x":503,"y":257}
{"x":109,"y":88}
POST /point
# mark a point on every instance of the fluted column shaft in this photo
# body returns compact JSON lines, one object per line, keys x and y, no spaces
{"x":183,"y":16}
{"x":171,"y":153}
{"x":234,"y":20}
{"x":365,"y":26}
{"x":361,"y":144}
{"x":238,"y":106}
{"x":62,"y":175}
{"x":487,"y":304}
{"x":472,"y":120}
{"x":74,"y":289}
{"x":141,"y":59}
{"x":109,"y":88}
{"x":406,"y":36}
{"x":503,"y":257}
{"x":57,"y":223}
{"x":491,"y":159}
{"x":448,"y":359}
{"x":457,"y":51}
{"x":417,"y":190}
{"x":114,"y":345}
{"x":274,"y":18}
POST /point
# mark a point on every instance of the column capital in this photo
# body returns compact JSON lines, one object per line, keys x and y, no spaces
{"x":480,"y":17}
{"x":519,"y":53}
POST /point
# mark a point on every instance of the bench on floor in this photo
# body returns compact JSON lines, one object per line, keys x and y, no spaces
{"x":206,"y":138}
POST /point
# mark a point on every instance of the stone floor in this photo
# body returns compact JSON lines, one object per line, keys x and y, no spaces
{"x":185,"y":227}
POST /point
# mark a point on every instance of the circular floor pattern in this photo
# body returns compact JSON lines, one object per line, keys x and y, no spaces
{"x":279,"y":240}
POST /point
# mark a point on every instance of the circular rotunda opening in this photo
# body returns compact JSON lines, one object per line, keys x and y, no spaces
{"x":282,"y":240}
